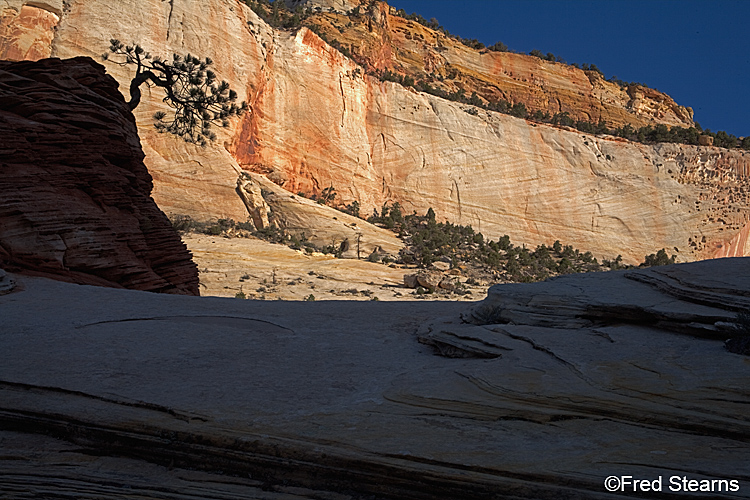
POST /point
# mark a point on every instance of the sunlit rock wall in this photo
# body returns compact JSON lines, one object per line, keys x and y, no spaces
{"x":317,"y":121}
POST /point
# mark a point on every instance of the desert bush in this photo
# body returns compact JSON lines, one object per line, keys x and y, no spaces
{"x":660,"y":258}
{"x":327,"y":195}
{"x":498,"y":47}
{"x":487,"y":315}
{"x":352,"y":208}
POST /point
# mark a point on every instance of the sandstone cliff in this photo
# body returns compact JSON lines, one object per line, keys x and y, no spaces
{"x":74,"y":192}
{"x":317,"y":121}
{"x":380,"y":41}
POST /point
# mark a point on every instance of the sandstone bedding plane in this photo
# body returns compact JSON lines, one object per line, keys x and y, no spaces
{"x":318,"y":120}
{"x":540,"y":391}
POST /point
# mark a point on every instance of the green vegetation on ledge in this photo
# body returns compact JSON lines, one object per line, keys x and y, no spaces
{"x":428,"y":241}
{"x":228,"y":228}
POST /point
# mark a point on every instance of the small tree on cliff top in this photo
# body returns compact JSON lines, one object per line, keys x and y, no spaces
{"x":191,"y":88}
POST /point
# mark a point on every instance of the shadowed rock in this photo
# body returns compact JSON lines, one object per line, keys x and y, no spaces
{"x":700,"y":299}
{"x":74,"y":193}
{"x":222,"y":398}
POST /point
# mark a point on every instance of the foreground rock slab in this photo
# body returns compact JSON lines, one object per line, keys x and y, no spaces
{"x":117,"y":394}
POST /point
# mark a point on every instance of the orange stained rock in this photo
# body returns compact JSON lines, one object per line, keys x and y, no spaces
{"x":27,"y":34}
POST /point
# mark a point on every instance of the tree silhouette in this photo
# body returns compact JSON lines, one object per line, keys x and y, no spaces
{"x":190,"y":87}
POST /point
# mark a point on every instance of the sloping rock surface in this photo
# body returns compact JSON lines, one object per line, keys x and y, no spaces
{"x":176,"y":397}
{"x":321,"y":224}
{"x":697,"y":299}
{"x":74,"y":192}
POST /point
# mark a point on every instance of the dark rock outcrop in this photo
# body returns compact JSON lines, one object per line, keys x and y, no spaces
{"x":74,"y":193}
{"x":700,"y":299}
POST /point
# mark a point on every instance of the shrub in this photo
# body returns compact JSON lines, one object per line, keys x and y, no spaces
{"x":660,"y":258}
{"x":498,"y":47}
{"x":504,"y":242}
{"x":390,"y":217}
{"x":563,"y":119}
{"x":519,"y":110}
{"x":327,"y":195}
{"x":295,"y":243}
{"x":352,"y":208}
{"x":488,"y":315}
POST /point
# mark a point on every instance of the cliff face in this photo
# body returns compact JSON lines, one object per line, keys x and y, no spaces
{"x":497,"y":173}
{"x":503,"y":175}
{"x":74,"y":200}
{"x":317,"y":121}
{"x":382,"y":41}
{"x":187,"y":179}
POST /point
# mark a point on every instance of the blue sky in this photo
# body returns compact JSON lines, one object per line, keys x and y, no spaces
{"x":698,"y":52}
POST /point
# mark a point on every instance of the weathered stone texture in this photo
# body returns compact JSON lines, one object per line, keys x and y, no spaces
{"x":378,"y":142}
{"x":383,"y":41}
{"x":28,"y":28}
{"x":74,"y":192}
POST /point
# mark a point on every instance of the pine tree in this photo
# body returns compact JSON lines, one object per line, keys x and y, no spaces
{"x":190,"y":87}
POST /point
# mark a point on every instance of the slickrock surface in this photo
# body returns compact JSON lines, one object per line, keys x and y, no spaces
{"x":74,"y":192}
{"x":317,"y":121}
{"x":259,"y":269}
{"x":121,"y":394}
{"x":687,"y":299}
